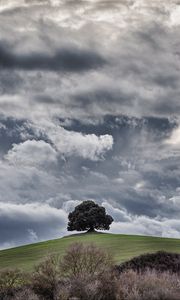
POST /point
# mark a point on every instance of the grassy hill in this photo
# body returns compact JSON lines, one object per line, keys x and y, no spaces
{"x":122,"y":246}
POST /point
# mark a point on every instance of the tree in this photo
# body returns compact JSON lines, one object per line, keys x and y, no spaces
{"x":89,"y":216}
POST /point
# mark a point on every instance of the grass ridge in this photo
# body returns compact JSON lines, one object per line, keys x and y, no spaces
{"x":122,"y":246}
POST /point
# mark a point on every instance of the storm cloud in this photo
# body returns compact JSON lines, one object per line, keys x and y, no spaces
{"x":67,"y":60}
{"x":89,"y":109}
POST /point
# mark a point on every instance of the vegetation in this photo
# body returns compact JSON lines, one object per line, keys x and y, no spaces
{"x":45,"y":278}
{"x":123,"y":247}
{"x":161,"y":261}
{"x":89,"y":216}
{"x":151,"y":285}
{"x":10,"y":282}
{"x":81,"y":259}
{"x":87,"y":272}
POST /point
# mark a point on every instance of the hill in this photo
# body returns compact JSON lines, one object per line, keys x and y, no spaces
{"x":123,"y":247}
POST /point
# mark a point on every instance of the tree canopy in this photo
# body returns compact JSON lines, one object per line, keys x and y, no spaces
{"x":89,"y":216}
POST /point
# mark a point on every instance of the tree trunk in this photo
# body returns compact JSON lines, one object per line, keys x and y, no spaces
{"x":91,"y":230}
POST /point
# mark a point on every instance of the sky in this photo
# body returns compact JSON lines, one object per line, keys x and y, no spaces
{"x":89,"y":110}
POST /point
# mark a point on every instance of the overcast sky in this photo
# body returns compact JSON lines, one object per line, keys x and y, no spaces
{"x":89,"y":109}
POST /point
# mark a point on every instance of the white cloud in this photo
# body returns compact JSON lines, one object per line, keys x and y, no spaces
{"x":124,"y":223}
{"x":175,"y":15}
{"x":174,"y":139}
{"x":89,"y":146}
{"x":140,"y":185}
{"x":147,"y":226}
{"x":71,"y":143}
{"x":32,"y":236}
{"x":31,"y":211}
{"x":32,"y":153}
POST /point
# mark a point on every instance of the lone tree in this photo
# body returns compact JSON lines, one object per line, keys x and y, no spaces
{"x":89,"y":216}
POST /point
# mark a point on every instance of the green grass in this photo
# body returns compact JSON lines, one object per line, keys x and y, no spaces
{"x":123,"y":248}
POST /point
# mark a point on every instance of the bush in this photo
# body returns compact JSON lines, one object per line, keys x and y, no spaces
{"x":93,"y":288}
{"x":25,"y":294}
{"x":10,"y":282}
{"x":76,"y":275}
{"x":45,"y":279}
{"x":160,"y":261}
{"x":107,"y":286}
{"x":84,"y":267}
{"x":82,"y":287}
{"x":85,"y":273}
{"x":150,"y":285}
{"x":83,"y":259}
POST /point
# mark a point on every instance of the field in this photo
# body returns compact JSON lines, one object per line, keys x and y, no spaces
{"x":123,"y":247}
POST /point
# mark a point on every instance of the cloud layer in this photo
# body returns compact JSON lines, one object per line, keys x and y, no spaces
{"x":89,"y":109}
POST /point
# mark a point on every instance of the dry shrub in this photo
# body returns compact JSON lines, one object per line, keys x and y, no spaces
{"x":10,"y":282}
{"x":150,"y":285}
{"x":86,"y":267}
{"x":107,"y":286}
{"x":25,"y":294}
{"x":45,"y":279}
{"x":127,"y":286}
{"x":79,"y":274}
{"x":83,"y":259}
{"x":82,"y":287}
{"x":86,"y":273}
{"x":93,"y":288}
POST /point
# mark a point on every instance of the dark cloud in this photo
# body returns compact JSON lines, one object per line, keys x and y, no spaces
{"x":21,"y":224}
{"x":104,"y":98}
{"x":123,"y":126}
{"x":65,"y":59}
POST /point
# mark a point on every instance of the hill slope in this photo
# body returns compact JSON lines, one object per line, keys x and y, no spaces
{"x":123,"y":247}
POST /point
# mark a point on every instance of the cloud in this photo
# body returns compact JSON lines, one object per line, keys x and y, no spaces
{"x":121,"y":77}
{"x":33,"y":153}
{"x":68,"y":60}
{"x":118,"y":215}
{"x":174,"y":139}
{"x":51,"y":140}
{"x":89,"y":109}
{"x":32,"y":222}
{"x":25,"y":223}
{"x":87,"y":146}
{"x":28,"y":183}
{"x":126,"y":223}
{"x":148,"y":227}
{"x":69,"y":205}
{"x":71,"y":143}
